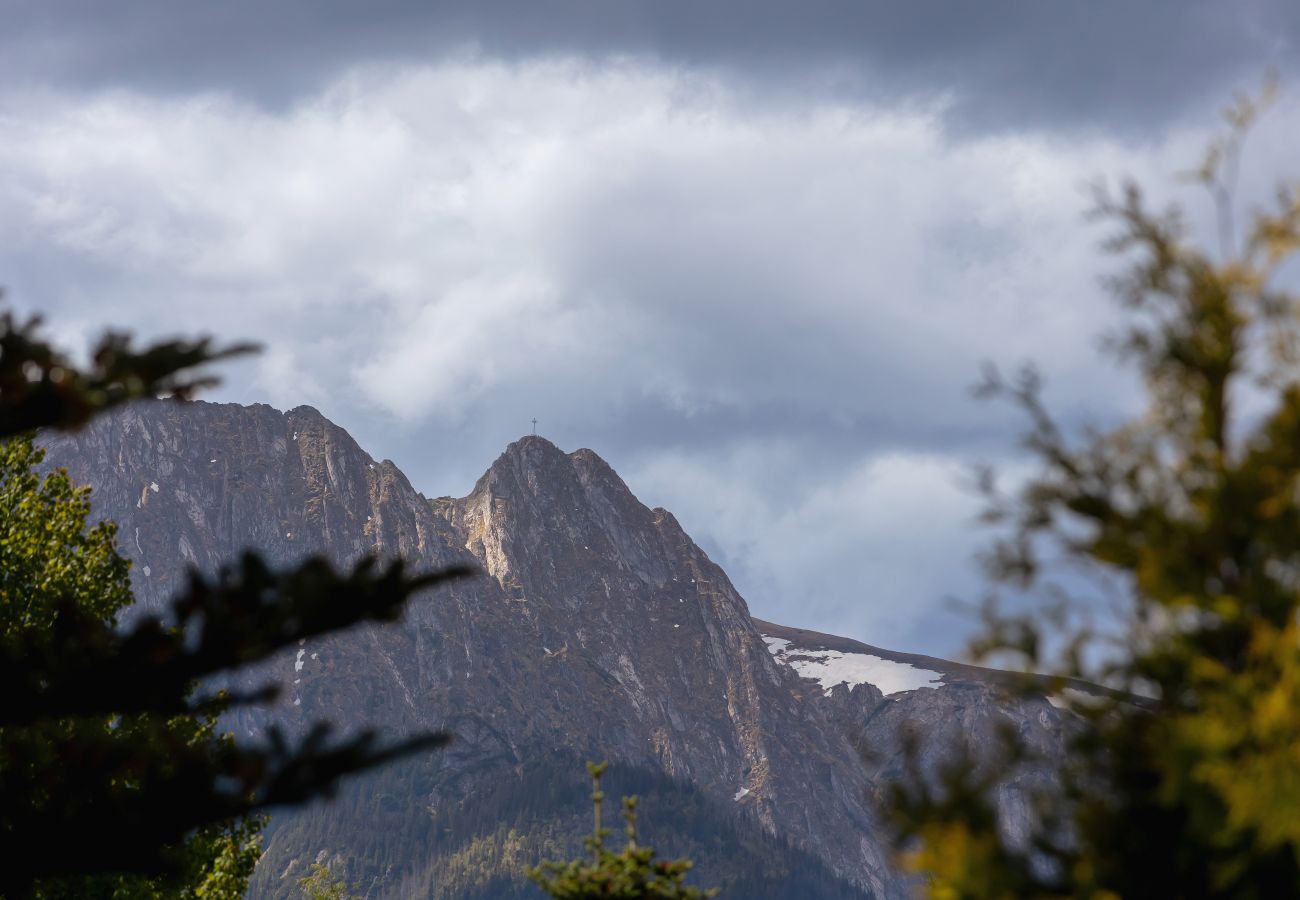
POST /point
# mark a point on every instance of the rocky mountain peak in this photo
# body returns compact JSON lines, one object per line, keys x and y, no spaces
{"x":603,"y":631}
{"x":529,"y":454}
{"x":538,"y":517}
{"x":534,"y":467}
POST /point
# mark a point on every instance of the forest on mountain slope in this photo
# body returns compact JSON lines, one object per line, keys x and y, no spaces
{"x":480,"y":848}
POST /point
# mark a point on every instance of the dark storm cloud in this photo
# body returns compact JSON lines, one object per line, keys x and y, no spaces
{"x":1005,"y":63}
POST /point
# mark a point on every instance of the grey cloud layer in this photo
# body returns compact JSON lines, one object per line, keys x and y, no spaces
{"x":1002,"y":63}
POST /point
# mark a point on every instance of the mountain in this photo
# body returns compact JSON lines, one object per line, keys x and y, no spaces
{"x":598,"y":630}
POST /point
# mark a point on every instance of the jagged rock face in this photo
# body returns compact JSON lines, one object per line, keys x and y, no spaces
{"x":877,"y":697}
{"x":597,"y":627}
{"x":193,"y":485}
{"x":968,"y":714}
{"x":647,"y":652}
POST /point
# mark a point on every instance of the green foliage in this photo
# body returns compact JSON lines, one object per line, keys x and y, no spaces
{"x":114,"y":781}
{"x":48,"y":558}
{"x":46,"y":553}
{"x":1188,"y":788}
{"x":322,"y":884}
{"x":629,"y":874}
{"x":229,"y":853}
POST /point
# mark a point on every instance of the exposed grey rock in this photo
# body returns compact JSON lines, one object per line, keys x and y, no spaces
{"x":598,"y":626}
{"x":961,"y":707}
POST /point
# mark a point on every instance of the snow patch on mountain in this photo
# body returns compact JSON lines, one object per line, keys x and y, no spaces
{"x":831,"y":667}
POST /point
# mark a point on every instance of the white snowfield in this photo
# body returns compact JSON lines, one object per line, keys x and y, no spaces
{"x":831,"y":667}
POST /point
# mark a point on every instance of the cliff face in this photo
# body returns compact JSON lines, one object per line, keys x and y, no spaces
{"x":598,"y":628}
{"x":876,"y":697}
{"x":622,"y":607}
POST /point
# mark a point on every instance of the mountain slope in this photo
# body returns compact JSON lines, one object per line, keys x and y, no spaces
{"x":598,"y":630}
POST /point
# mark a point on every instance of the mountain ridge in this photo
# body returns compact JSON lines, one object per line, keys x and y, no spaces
{"x":600,"y":629}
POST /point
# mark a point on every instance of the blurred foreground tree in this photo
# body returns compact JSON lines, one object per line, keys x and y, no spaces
{"x":47,"y":557}
{"x":1194,"y":508}
{"x":631,"y":874}
{"x":113,"y":780}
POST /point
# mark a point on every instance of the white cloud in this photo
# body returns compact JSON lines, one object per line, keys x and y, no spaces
{"x":638,"y":255}
{"x":867,"y":550}
{"x":489,"y":207}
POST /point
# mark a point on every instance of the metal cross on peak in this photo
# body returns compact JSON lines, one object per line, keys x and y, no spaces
{"x":534,"y":426}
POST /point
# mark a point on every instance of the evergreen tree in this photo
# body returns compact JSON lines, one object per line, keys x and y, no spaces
{"x":322,"y":884}
{"x":114,"y":782}
{"x":1185,"y":783}
{"x":630,"y":874}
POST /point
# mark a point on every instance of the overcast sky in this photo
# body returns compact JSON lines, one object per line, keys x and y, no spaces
{"x":752,"y":253}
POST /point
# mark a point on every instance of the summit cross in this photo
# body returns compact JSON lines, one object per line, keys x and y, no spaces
{"x":534,"y":426}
